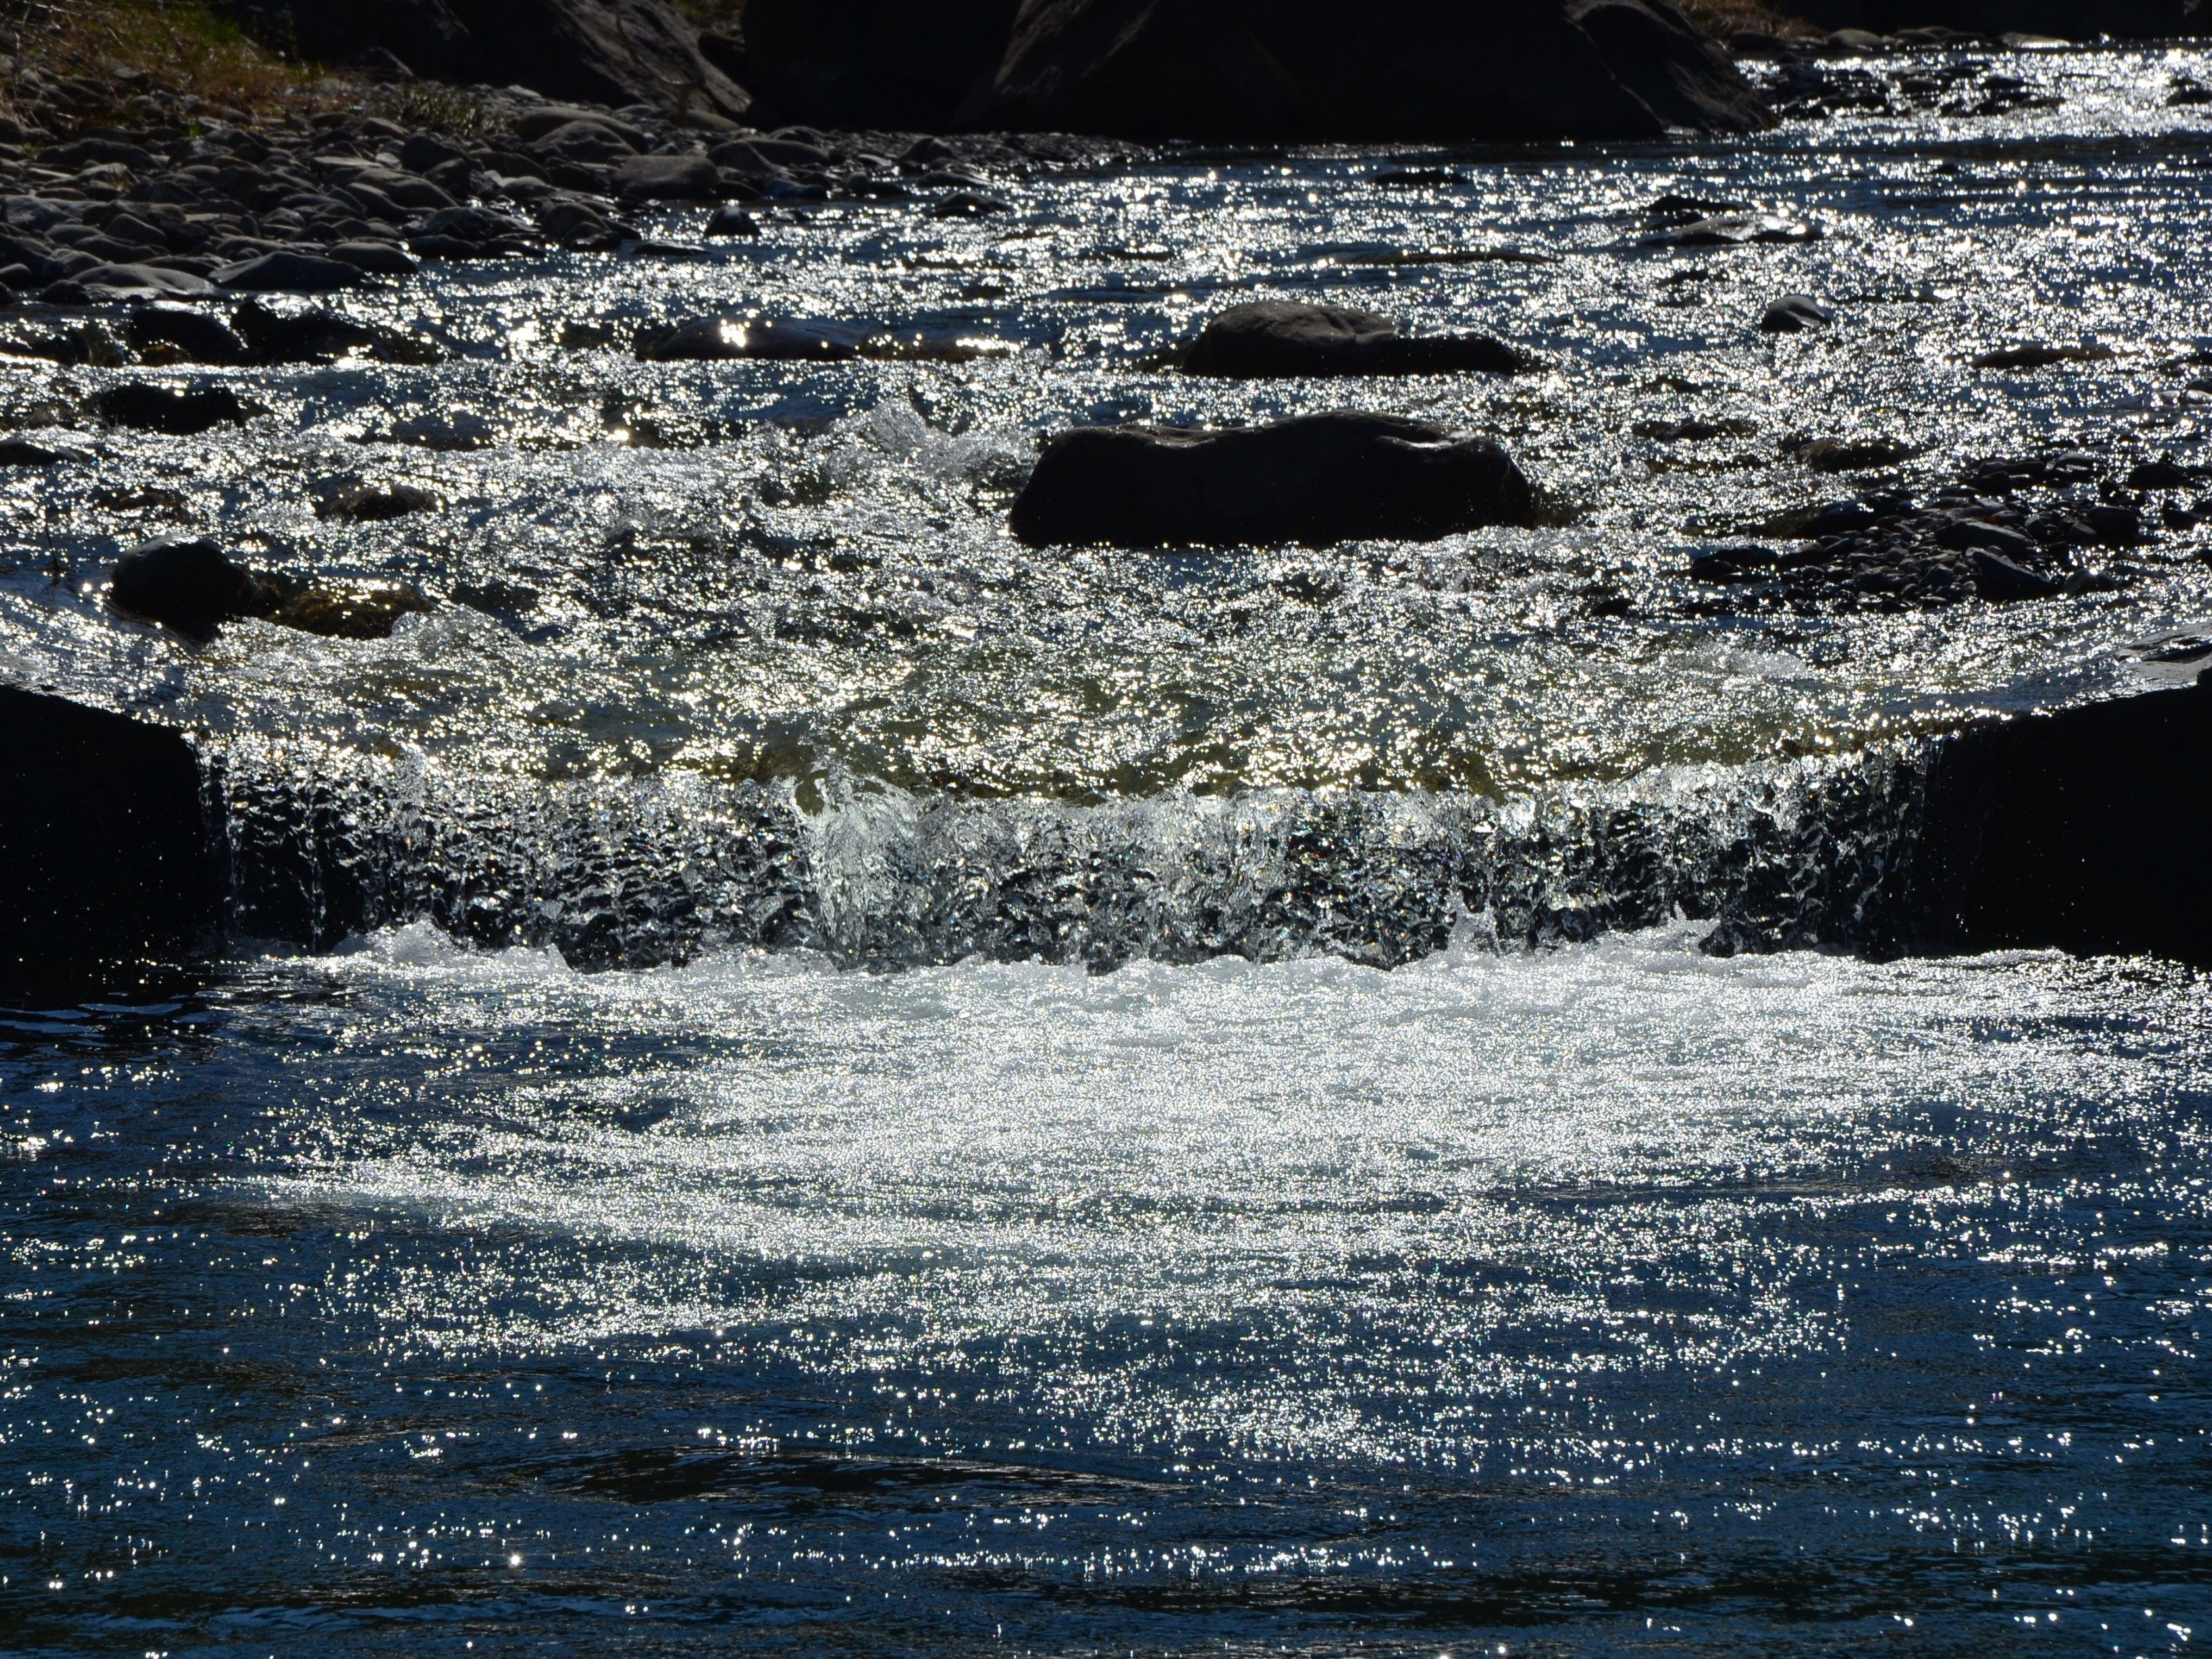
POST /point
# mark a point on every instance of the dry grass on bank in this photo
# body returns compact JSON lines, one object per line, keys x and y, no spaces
{"x":179,"y":47}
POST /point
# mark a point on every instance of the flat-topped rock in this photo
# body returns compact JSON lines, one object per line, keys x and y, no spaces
{"x":1314,"y":480}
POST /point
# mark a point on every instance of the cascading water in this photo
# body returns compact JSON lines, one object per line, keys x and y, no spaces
{"x":638,"y":873}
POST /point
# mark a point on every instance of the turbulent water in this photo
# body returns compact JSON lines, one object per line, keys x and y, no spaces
{"x":1336,"y":1270}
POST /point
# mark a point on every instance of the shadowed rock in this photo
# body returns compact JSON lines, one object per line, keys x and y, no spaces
{"x":1242,"y":69}
{"x":1273,"y":337}
{"x":668,"y":179}
{"x":199,"y":336}
{"x":1318,"y":479}
{"x":875,"y":63}
{"x":380,"y":258}
{"x":1248,"y":70}
{"x":2080,"y":830}
{"x":114,"y":884}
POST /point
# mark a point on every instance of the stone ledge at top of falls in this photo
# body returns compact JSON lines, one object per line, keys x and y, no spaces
{"x":1249,"y":71}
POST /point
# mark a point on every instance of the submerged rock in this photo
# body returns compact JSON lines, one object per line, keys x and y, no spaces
{"x":115,"y":885}
{"x":1274,"y":337}
{"x":371,"y":503}
{"x":189,"y":586}
{"x":181,"y":413}
{"x":349,"y":611}
{"x":1317,"y":479}
{"x":1890,"y":552}
{"x":2042,"y":356}
{"x":1851,"y":454}
{"x":1733,"y":230}
{"x":713,"y":339}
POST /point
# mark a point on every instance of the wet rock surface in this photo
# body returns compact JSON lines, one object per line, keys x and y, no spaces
{"x":190,"y":585}
{"x":1317,"y":479}
{"x":2028,"y":527}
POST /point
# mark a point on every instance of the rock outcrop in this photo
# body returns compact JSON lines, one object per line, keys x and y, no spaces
{"x":1314,"y":480}
{"x":1246,"y":70}
{"x":875,"y":63}
{"x":114,"y":887}
{"x":612,"y":51}
{"x":1271,"y":339}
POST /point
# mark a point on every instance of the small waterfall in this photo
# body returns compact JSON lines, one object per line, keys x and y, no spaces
{"x":325,"y":842}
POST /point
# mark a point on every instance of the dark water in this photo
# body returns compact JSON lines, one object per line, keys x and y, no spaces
{"x":1333,"y":1275}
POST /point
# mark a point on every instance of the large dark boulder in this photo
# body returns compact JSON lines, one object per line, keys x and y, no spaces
{"x":2081,"y":830}
{"x":2071,"y":20}
{"x":608,"y":51}
{"x":875,"y":63}
{"x":114,"y":886}
{"x":1428,"y":70}
{"x":1270,"y":339}
{"x":1314,"y":480}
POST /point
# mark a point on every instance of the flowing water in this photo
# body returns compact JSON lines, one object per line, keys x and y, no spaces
{"x":1136,"y":1103}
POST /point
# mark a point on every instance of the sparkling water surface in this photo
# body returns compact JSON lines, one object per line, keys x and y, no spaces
{"x":1605,"y":1298}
